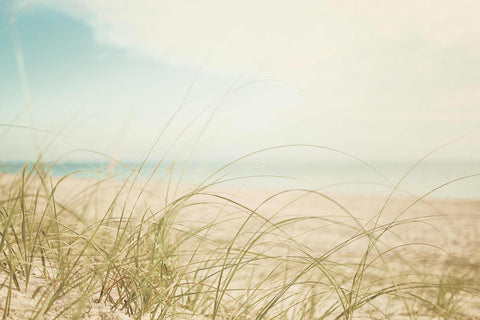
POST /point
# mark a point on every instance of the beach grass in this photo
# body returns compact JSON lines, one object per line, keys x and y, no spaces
{"x":134,"y":248}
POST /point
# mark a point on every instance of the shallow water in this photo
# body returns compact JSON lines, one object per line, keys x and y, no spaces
{"x":329,"y":176}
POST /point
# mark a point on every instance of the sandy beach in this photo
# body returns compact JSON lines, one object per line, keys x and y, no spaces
{"x":242,"y":160}
{"x":245,"y":253}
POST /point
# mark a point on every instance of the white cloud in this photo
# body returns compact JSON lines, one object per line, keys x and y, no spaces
{"x":299,"y":35}
{"x":366,"y":64}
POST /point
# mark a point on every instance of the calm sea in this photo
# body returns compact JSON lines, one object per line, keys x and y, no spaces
{"x":330,"y":176}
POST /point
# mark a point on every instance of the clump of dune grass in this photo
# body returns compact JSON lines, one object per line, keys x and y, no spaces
{"x":75,"y":247}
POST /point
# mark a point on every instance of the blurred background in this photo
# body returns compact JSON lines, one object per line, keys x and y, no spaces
{"x":387,"y":82}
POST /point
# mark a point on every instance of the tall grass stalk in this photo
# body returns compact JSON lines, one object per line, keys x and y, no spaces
{"x":72,"y":247}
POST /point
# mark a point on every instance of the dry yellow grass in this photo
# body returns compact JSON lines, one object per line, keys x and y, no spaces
{"x":107,"y":249}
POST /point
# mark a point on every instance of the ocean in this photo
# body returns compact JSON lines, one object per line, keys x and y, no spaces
{"x":327,"y":176}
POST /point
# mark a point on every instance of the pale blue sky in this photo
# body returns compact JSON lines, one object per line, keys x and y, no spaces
{"x":381,"y":82}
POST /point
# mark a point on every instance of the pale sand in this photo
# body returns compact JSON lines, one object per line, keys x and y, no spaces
{"x":443,"y":233}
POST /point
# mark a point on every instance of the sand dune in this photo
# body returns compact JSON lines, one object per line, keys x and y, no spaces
{"x":265,"y":252}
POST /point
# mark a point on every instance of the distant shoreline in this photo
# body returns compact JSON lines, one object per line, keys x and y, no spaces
{"x":336,"y":177}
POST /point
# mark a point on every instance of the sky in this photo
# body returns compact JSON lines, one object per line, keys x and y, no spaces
{"x":382,"y":80}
